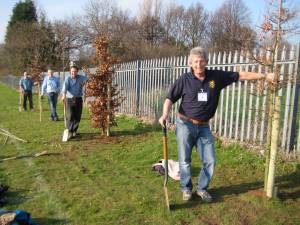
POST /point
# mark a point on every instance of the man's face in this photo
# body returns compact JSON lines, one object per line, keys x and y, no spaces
{"x":25,"y":74}
{"x":198,"y":64}
{"x":50,"y":73}
{"x":74,"y":73}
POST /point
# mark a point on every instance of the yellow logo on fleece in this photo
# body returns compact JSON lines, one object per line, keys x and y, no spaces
{"x":212,"y":84}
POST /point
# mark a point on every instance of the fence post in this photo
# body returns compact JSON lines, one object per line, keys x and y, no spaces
{"x":295,"y":101}
{"x":138,"y":87}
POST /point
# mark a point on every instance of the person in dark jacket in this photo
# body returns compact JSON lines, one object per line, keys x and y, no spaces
{"x":199,"y":91}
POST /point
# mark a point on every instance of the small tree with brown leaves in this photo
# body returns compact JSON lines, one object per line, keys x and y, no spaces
{"x":106,"y":97}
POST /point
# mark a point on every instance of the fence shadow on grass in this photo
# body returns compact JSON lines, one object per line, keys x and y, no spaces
{"x":51,"y":221}
{"x":15,"y":197}
{"x":116,"y":133}
{"x":219,"y":192}
{"x":85,"y":136}
{"x":136,"y":130}
{"x":289,"y":186}
{"x":186,"y":205}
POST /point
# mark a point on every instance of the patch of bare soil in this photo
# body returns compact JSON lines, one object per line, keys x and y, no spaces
{"x":210,"y":221}
{"x":257,"y":193}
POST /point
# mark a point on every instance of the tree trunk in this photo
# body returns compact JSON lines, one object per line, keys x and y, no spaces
{"x":108,"y":109}
{"x":274,"y":148}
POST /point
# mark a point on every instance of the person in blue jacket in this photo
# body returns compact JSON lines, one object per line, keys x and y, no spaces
{"x":72,"y":93}
{"x":51,"y":85}
{"x":26,"y":85}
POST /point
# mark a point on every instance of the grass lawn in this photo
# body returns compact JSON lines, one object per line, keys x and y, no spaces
{"x":97,"y":180}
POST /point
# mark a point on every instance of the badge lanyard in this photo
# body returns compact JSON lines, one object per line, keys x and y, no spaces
{"x":202,"y":96}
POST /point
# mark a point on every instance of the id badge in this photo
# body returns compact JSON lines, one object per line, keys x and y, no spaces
{"x":202,"y":97}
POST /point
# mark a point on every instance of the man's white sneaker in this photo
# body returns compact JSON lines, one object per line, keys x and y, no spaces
{"x":206,"y":197}
{"x":70,"y":134}
{"x":186,"y":195}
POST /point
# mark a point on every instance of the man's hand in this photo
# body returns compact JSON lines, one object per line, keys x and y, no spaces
{"x":166,"y":109}
{"x":162,"y":120}
{"x":272,"y":78}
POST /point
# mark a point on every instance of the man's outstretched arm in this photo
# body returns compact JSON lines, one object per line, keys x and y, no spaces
{"x":270,"y":77}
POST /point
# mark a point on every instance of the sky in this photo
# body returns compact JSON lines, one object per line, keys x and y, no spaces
{"x":60,"y":9}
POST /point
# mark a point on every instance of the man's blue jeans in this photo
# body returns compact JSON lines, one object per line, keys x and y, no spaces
{"x":52,"y":97}
{"x":189,"y":135}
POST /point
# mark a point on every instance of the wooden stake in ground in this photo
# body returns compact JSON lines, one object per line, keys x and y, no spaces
{"x":108,"y":109}
{"x":274,"y":148}
{"x":40,"y":102}
{"x":37,"y":76}
{"x":268,"y":143}
{"x":20,"y":100}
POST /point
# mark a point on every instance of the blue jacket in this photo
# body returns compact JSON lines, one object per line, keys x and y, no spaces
{"x":26,"y":83}
{"x":73,"y":87}
{"x":50,"y":84}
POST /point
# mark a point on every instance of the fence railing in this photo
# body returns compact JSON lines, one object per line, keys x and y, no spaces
{"x":242,"y":111}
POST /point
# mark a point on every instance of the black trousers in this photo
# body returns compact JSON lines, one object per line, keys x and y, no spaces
{"x":74,"y":111}
{"x":27,"y":94}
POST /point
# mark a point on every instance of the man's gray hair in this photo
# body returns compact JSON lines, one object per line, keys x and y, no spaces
{"x":197,"y":51}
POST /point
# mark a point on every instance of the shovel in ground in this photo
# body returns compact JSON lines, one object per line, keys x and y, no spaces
{"x":164,"y":129}
{"x":66,"y":131}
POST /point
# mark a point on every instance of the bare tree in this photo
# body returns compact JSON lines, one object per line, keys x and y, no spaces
{"x":149,"y":19}
{"x":229,"y":27}
{"x":196,"y":22}
{"x":68,"y":38}
{"x":104,"y":18}
{"x":95,"y":20}
{"x":175,"y":24}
